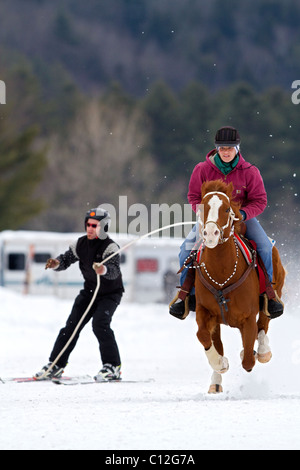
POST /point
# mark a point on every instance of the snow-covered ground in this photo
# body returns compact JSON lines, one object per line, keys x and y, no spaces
{"x":260,"y":410}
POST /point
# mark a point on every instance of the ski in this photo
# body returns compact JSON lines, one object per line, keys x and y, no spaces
{"x":28,"y":379}
{"x":64,"y":380}
{"x":90,"y":381}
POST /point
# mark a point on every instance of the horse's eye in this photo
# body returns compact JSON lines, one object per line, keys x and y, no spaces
{"x":227,"y":210}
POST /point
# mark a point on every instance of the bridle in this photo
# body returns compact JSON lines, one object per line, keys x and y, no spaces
{"x":231,"y":219}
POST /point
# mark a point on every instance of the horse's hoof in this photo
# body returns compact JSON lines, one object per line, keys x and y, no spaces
{"x":225,"y":366}
{"x":215,"y":388}
{"x":264,"y":358}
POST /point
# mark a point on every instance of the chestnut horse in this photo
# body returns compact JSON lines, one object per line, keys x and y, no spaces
{"x":227,"y":288}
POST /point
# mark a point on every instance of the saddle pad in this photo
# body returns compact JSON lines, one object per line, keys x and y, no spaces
{"x":199,"y":253}
{"x":244,"y":249}
{"x":248,"y":256}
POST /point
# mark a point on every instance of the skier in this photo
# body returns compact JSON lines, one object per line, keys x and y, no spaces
{"x":225,"y":162}
{"x":90,"y":250}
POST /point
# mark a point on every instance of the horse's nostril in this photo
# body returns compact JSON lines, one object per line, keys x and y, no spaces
{"x":217,"y":233}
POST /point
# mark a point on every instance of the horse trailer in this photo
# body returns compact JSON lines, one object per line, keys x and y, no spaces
{"x":149,"y":266}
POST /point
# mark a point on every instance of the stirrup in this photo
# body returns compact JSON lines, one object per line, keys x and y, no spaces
{"x":180,"y":315}
{"x":265,"y":308}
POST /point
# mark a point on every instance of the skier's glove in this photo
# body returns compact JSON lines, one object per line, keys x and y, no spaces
{"x":52,"y":263}
{"x":100,"y":268}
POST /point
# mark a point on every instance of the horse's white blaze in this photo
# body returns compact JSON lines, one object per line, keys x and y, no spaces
{"x":214,"y":204}
{"x":211,"y":233}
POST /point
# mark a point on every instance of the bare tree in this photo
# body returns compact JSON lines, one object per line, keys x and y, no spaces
{"x":103,"y":156}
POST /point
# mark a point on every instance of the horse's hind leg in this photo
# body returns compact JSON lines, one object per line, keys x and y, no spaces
{"x":264,"y":350}
{"x":264,"y":353}
{"x":263,"y":322}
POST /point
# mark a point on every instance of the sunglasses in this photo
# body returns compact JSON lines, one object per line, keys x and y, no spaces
{"x":92,"y":225}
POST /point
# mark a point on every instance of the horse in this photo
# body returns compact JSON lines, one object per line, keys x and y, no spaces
{"x":226,"y":287}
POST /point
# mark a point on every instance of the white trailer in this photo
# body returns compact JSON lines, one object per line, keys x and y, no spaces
{"x":148,"y":267}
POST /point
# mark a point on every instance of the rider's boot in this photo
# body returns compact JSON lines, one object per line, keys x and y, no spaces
{"x":271,"y":304}
{"x":184,"y":302}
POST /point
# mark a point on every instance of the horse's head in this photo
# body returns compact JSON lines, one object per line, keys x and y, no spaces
{"x":217,"y":213}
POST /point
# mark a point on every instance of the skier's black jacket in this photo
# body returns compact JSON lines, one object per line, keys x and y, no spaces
{"x":89,"y":251}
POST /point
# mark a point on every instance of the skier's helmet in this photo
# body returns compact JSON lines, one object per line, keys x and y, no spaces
{"x":228,"y":137}
{"x":100,"y":214}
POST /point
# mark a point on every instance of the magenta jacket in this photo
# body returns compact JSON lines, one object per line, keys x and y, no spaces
{"x":249,"y":188}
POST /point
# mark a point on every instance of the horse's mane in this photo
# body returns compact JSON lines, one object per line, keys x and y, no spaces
{"x":217,"y":185}
{"x":220,"y":186}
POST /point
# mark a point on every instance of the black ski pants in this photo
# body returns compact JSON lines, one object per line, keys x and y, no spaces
{"x":101,"y":312}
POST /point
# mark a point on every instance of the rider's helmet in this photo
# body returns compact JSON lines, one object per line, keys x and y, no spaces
{"x":228,"y":137}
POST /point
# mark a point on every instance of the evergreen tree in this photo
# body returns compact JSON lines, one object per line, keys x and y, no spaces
{"x":21,"y":168}
{"x":166,"y":128}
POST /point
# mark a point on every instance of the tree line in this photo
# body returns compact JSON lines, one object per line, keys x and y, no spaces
{"x":61,"y":156}
{"x":140,"y":41}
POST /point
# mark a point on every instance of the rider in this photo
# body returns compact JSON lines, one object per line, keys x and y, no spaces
{"x":225,"y":162}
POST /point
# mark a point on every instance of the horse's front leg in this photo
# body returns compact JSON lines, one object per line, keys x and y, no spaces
{"x":249,"y":335}
{"x":264,"y":353}
{"x":207,"y":331}
{"x":216,"y":378}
